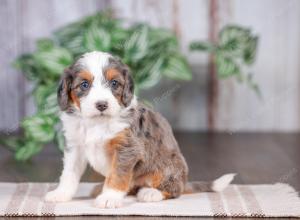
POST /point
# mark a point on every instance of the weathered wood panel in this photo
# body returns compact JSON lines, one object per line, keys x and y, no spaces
{"x":11,"y":97}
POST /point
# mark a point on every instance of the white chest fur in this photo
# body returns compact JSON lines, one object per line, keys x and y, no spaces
{"x":91,"y":135}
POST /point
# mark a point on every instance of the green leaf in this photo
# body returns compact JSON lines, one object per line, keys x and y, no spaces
{"x":176,"y":67}
{"x":76,"y":45}
{"x":51,"y":105}
{"x":69,"y":32}
{"x":54,"y":60}
{"x":136,"y":47}
{"x":41,"y":94}
{"x":45,"y":44}
{"x":226,"y":66}
{"x":233,"y":39}
{"x":202,"y":46}
{"x":30,"y":149}
{"x":27,"y":65}
{"x":250,"y":50}
{"x":162,"y":38}
{"x":97,"y":39}
{"x":39,"y":128}
{"x":118,"y":38}
{"x":150,"y":74}
{"x":72,"y":36}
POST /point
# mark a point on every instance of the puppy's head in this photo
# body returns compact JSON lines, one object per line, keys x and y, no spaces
{"x":96,"y":85}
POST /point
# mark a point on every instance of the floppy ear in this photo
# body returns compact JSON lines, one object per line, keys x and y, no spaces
{"x":128,"y":89}
{"x":63,"y":91}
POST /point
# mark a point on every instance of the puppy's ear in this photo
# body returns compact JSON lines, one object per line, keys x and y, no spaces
{"x":64,"y":89}
{"x":128,"y":90}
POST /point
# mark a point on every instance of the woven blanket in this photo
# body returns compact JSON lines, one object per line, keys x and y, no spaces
{"x":278,"y":200}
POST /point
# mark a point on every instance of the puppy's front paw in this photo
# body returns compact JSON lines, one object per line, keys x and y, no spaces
{"x":111,"y":199}
{"x":57,"y":196}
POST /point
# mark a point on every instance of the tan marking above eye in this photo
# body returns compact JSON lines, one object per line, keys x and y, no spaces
{"x":86,"y":75}
{"x":111,"y":74}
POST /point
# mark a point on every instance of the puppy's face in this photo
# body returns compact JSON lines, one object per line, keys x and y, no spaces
{"x":96,"y":85}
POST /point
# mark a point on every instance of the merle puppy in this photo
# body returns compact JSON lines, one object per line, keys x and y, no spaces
{"x":122,"y":139}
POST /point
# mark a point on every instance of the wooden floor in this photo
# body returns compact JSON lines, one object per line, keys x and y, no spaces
{"x":257,"y":158}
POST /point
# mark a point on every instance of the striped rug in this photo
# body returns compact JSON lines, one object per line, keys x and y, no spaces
{"x":278,"y":200}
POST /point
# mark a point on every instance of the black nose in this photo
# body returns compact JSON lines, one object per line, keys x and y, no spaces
{"x":101,"y":106}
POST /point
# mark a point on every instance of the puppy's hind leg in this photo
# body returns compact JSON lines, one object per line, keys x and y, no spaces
{"x":166,"y":190}
{"x":97,"y":189}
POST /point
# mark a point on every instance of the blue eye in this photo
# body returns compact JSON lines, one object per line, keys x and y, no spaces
{"x":114,"y":84}
{"x":84,"y":85}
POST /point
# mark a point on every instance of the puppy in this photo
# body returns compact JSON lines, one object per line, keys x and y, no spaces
{"x":125,"y":141}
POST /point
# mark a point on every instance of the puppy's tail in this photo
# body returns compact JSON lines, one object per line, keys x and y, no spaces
{"x":217,"y":185}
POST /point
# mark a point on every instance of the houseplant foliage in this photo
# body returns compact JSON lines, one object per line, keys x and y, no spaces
{"x":234,"y":53}
{"x":151,"y":53}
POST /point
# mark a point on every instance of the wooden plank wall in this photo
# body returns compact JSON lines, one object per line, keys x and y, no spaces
{"x":277,"y":69}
